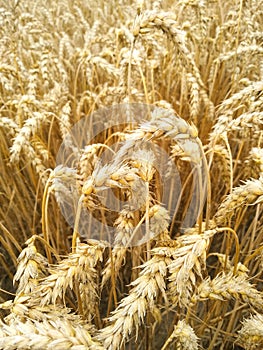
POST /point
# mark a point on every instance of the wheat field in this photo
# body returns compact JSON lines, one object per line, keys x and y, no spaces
{"x":198,"y":66}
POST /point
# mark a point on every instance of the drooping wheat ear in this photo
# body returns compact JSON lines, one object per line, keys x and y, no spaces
{"x":226,"y":286}
{"x":165,"y":21}
{"x":189,"y":261}
{"x":125,"y":224}
{"x":249,"y":120}
{"x":255,"y":161}
{"x":183,"y":337}
{"x":163,"y":123}
{"x":251,"y":333}
{"x":63,"y":184}
{"x":9,"y":125}
{"x":64,"y":120}
{"x":57,"y":332}
{"x":119,"y":176}
{"x":132,"y":310}
{"x":228,"y":107}
{"x":103,"y":65}
{"x":76,"y":272}
{"x":241,"y":50}
{"x":88,"y":160}
{"x":222,"y":161}
{"x":194,"y":97}
{"x":24,"y":135}
{"x":31,"y":267}
{"x":250,"y":193}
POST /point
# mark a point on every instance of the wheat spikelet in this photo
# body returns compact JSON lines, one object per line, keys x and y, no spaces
{"x":167,"y":22}
{"x":108,"y":176}
{"x":194,"y":97}
{"x":88,"y":161}
{"x":125,"y":224}
{"x":63,"y":184}
{"x":64,"y":120}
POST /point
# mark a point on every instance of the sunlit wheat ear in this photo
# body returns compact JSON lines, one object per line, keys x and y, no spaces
{"x":229,"y":106}
{"x":76,"y":272}
{"x":254,"y":162}
{"x":163,"y":123}
{"x":132,"y":309}
{"x":221,"y":160}
{"x":189,"y":261}
{"x":31,"y":267}
{"x":226,"y":286}
{"x":59,"y":333}
{"x":251,"y":334}
{"x":108,"y":176}
{"x":30,"y":127}
{"x":246,"y":121}
{"x":183,"y":337}
{"x":9,"y":126}
{"x":250,"y":193}
{"x":125,"y":224}
{"x":63,"y":184}
{"x":23,"y":142}
{"x":194,"y":97}
{"x":88,"y":161}
{"x":21,"y":308}
{"x":166,"y":21}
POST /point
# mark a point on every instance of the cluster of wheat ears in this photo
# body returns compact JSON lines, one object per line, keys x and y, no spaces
{"x":199,"y":65}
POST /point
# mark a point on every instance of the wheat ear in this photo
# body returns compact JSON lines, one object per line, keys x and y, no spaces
{"x":251,"y":334}
{"x":132,"y":310}
{"x":183,"y":337}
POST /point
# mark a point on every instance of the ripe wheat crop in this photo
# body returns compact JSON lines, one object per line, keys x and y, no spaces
{"x":193,"y":70}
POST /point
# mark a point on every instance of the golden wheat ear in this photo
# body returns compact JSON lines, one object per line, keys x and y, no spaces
{"x":251,"y":334}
